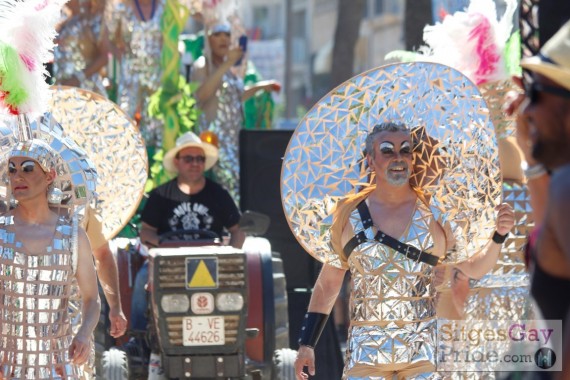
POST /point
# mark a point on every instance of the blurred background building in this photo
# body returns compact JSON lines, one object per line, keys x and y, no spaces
{"x":309,"y":31}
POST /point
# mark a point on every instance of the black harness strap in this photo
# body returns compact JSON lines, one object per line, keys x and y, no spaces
{"x":407,"y":250}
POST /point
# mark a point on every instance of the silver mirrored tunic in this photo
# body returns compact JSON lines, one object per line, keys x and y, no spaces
{"x":35,"y":333}
{"x":140,"y":70}
{"x":392,"y":303}
{"x":69,"y":53}
{"x":226,"y":125}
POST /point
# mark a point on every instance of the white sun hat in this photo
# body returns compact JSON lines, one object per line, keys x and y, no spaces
{"x":189,"y":140}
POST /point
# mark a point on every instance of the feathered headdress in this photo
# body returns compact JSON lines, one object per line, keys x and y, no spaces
{"x":26,"y":44}
{"x":474,"y":42}
{"x":213,"y":11}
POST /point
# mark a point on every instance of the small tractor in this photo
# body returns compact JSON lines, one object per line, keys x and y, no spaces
{"x":215,"y":312}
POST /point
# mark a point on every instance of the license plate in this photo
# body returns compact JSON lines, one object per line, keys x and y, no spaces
{"x":203,"y":331}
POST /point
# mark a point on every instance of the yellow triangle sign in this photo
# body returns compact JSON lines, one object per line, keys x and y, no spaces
{"x":202,"y":277}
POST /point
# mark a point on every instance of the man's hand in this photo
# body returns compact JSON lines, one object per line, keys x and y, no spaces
{"x":505,"y":218}
{"x":459,"y":291}
{"x":450,"y":304}
{"x":118,"y":322}
{"x":440,"y":275}
{"x":514,"y":98}
{"x":305,"y":358}
{"x":80,"y":349}
{"x":234,"y":55}
{"x":269,"y":85}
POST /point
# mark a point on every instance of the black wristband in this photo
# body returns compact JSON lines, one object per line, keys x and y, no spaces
{"x":312,"y":328}
{"x":498,"y":238}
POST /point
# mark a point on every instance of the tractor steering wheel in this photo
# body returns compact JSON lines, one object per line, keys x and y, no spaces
{"x":199,"y":237}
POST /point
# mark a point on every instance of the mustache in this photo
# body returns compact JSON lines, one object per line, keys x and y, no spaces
{"x":402,"y":164}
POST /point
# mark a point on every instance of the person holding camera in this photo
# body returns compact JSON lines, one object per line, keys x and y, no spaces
{"x":220,"y":96}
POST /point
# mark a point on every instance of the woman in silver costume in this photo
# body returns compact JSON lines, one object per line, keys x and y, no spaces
{"x":81,"y":50}
{"x":41,"y":255}
{"x":220,"y":96}
{"x":135,"y":34}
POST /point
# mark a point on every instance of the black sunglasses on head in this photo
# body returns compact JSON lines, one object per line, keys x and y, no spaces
{"x":533,"y":89}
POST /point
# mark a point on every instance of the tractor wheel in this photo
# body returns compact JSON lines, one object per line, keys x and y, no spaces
{"x":284,"y":364}
{"x":115,"y":365}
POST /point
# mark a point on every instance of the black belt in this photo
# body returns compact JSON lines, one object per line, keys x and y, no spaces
{"x":407,"y":250}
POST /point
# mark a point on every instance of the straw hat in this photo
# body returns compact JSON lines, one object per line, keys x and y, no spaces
{"x":553,"y":61}
{"x":189,"y":140}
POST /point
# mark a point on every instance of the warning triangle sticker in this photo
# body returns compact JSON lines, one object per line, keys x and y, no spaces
{"x":202,"y":277}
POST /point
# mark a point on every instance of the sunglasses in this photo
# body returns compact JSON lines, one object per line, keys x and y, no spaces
{"x":534,"y":89}
{"x":388,"y":148}
{"x":26,"y":167}
{"x":192,"y":159}
{"x":227,"y":34}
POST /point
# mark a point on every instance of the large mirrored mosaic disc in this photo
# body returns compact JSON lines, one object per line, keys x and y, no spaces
{"x":113,"y":142}
{"x":324,"y":161}
{"x":495,"y":94}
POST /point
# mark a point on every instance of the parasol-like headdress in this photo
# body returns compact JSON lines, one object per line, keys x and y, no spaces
{"x":324,"y":161}
{"x":114,"y":144}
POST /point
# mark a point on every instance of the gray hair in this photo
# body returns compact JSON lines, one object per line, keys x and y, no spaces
{"x":388,"y":126}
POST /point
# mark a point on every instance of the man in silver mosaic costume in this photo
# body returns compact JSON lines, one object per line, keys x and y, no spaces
{"x":220,"y":96}
{"x":393,"y":300}
{"x":42,"y":254}
{"x":81,"y":50}
{"x":136,"y":38}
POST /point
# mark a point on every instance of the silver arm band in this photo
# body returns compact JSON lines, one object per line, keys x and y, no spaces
{"x":534,"y":171}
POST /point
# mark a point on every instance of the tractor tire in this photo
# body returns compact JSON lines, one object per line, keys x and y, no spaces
{"x":115,"y":365}
{"x":284,"y":364}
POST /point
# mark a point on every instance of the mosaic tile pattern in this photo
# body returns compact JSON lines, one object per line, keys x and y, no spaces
{"x":35,"y":334}
{"x":114,"y":144}
{"x":324,"y":160}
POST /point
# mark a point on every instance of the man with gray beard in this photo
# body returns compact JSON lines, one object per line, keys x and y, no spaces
{"x":388,"y":238}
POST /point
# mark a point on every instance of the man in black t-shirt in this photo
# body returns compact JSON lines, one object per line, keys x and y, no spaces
{"x":188,"y":202}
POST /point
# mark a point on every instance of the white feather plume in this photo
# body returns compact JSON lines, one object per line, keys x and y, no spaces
{"x":472,"y":41}
{"x":29,"y":28}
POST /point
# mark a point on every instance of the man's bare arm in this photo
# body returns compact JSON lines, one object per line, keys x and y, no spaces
{"x":109,"y":279}
{"x":322,"y":301}
{"x":326,"y":289}
{"x":87,"y":282}
{"x":237,"y":236}
{"x":482,"y":262}
{"x":212,"y":82}
{"x":148,"y":234}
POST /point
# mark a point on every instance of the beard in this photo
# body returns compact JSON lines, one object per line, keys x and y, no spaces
{"x":550,"y":152}
{"x":400,"y":178}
